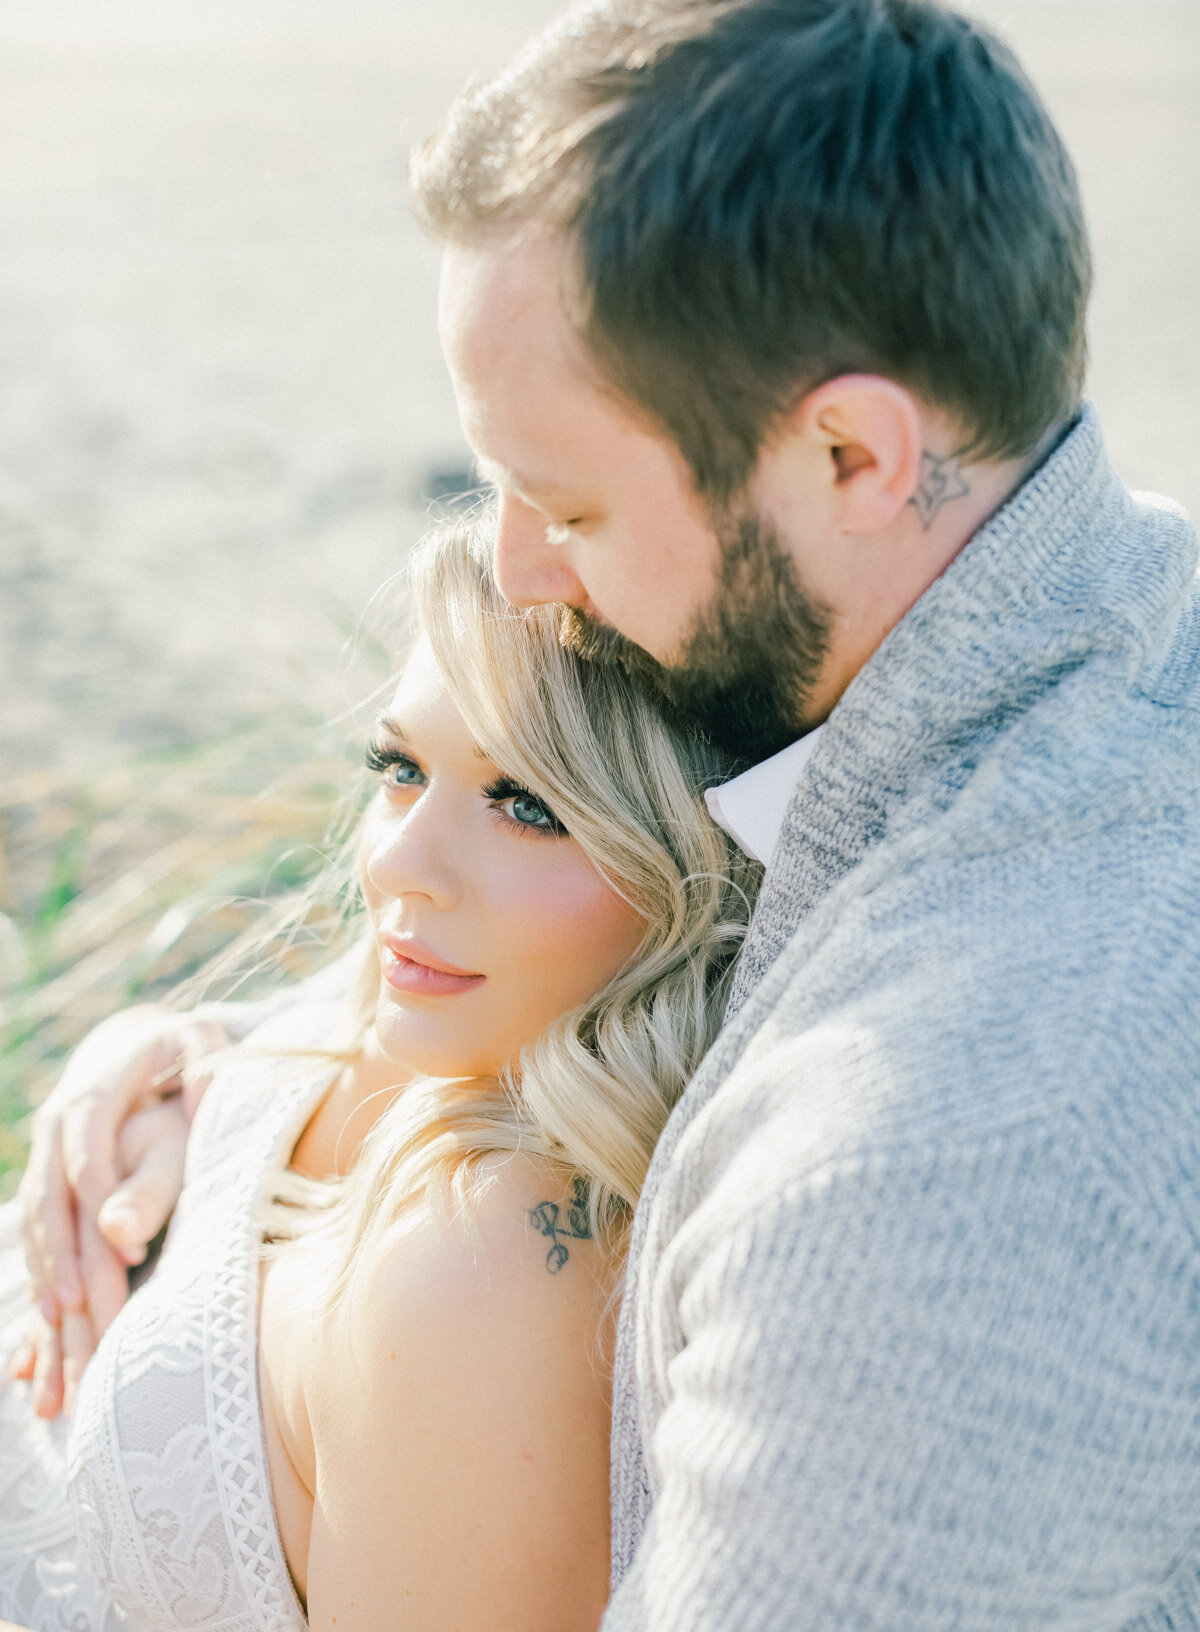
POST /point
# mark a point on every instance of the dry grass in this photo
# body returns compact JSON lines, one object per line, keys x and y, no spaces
{"x":117,"y":888}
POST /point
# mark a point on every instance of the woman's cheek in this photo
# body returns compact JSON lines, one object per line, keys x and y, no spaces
{"x":578,"y":933}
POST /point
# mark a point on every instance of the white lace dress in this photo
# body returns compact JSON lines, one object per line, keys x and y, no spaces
{"x":151,"y":1508}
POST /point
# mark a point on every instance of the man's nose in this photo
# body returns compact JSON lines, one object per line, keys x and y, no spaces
{"x":528,"y":568}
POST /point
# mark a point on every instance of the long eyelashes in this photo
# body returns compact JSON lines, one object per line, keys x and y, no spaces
{"x":504,"y":788}
{"x":380,"y":758}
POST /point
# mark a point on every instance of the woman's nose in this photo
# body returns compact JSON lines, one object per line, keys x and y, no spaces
{"x":528,"y":568}
{"x":412,"y":853}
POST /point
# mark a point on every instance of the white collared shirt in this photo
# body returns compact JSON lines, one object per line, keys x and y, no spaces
{"x":751,"y":807}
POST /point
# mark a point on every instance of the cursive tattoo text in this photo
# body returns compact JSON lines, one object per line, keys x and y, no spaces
{"x":941,"y":481}
{"x":548,"y":1219}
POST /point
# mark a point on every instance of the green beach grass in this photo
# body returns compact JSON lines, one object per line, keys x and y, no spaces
{"x":118,"y":888}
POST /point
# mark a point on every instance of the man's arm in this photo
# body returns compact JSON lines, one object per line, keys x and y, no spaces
{"x":944,"y":1388}
{"x":85,"y":1218}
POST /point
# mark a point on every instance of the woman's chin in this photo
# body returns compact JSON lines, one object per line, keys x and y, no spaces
{"x":420,"y":1051}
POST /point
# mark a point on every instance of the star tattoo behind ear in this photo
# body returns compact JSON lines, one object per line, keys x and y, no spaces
{"x":941,"y":481}
{"x":547,"y":1220}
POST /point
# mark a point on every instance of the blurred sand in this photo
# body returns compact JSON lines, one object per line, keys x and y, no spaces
{"x":221,"y":390}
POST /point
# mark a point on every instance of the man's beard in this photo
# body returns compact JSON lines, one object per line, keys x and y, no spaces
{"x":750,"y":660}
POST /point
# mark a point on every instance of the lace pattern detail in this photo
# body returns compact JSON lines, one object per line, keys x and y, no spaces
{"x":154,"y":1511}
{"x":231,"y":1386}
{"x":42,"y":1584}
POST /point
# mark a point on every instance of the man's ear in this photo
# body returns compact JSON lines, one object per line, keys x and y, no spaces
{"x":870,"y":429}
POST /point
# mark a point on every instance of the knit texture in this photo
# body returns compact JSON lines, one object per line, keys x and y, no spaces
{"x":911,"y":1337}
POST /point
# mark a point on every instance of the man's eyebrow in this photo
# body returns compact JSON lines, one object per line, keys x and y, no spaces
{"x":508,"y":481}
{"x":498,"y":475}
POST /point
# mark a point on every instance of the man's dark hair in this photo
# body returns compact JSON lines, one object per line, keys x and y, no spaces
{"x":765,"y":194}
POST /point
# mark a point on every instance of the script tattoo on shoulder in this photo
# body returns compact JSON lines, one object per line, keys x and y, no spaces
{"x":560,"y":1225}
{"x":941,"y":481}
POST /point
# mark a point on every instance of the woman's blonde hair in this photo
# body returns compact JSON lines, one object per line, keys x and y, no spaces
{"x":593,"y":1091}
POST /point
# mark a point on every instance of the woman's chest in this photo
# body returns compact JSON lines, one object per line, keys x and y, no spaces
{"x":332,"y":1138}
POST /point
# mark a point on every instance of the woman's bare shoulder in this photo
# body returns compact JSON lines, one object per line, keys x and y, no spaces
{"x":521,"y":1243}
{"x":463,"y":1416}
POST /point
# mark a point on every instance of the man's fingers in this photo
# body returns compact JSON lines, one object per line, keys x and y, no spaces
{"x":48,"y":1374}
{"x":104,"y":1273}
{"x":138,"y":1209}
{"x":153,"y":1056}
{"x":91,"y":1125}
{"x":20,"y":1367}
{"x":109,"y":1066}
{"x":78,"y":1346}
{"x":75,"y":1162}
{"x":204,"y":1041}
{"x":48,"y":1223}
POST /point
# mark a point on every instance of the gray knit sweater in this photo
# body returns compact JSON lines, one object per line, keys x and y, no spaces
{"x":912,"y":1333}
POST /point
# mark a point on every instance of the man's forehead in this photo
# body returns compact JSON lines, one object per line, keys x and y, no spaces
{"x":506,"y":286}
{"x":542,"y":422}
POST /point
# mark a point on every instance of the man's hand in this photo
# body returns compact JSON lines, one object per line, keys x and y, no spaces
{"x":105,"y":1170}
{"x":53,"y":1358}
{"x":87,"y":1212}
{"x":148,"y":1155}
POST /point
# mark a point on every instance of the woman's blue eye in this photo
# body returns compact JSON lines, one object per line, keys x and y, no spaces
{"x":532,"y":811}
{"x":396,"y":769}
{"x":525,"y":808}
{"x":402,"y":773}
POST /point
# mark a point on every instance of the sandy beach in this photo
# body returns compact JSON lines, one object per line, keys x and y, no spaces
{"x":222,"y":397}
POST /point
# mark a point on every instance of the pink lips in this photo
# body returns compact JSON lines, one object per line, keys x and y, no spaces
{"x":412,"y":968}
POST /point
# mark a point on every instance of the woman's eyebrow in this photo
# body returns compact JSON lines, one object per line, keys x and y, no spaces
{"x":395,"y":728}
